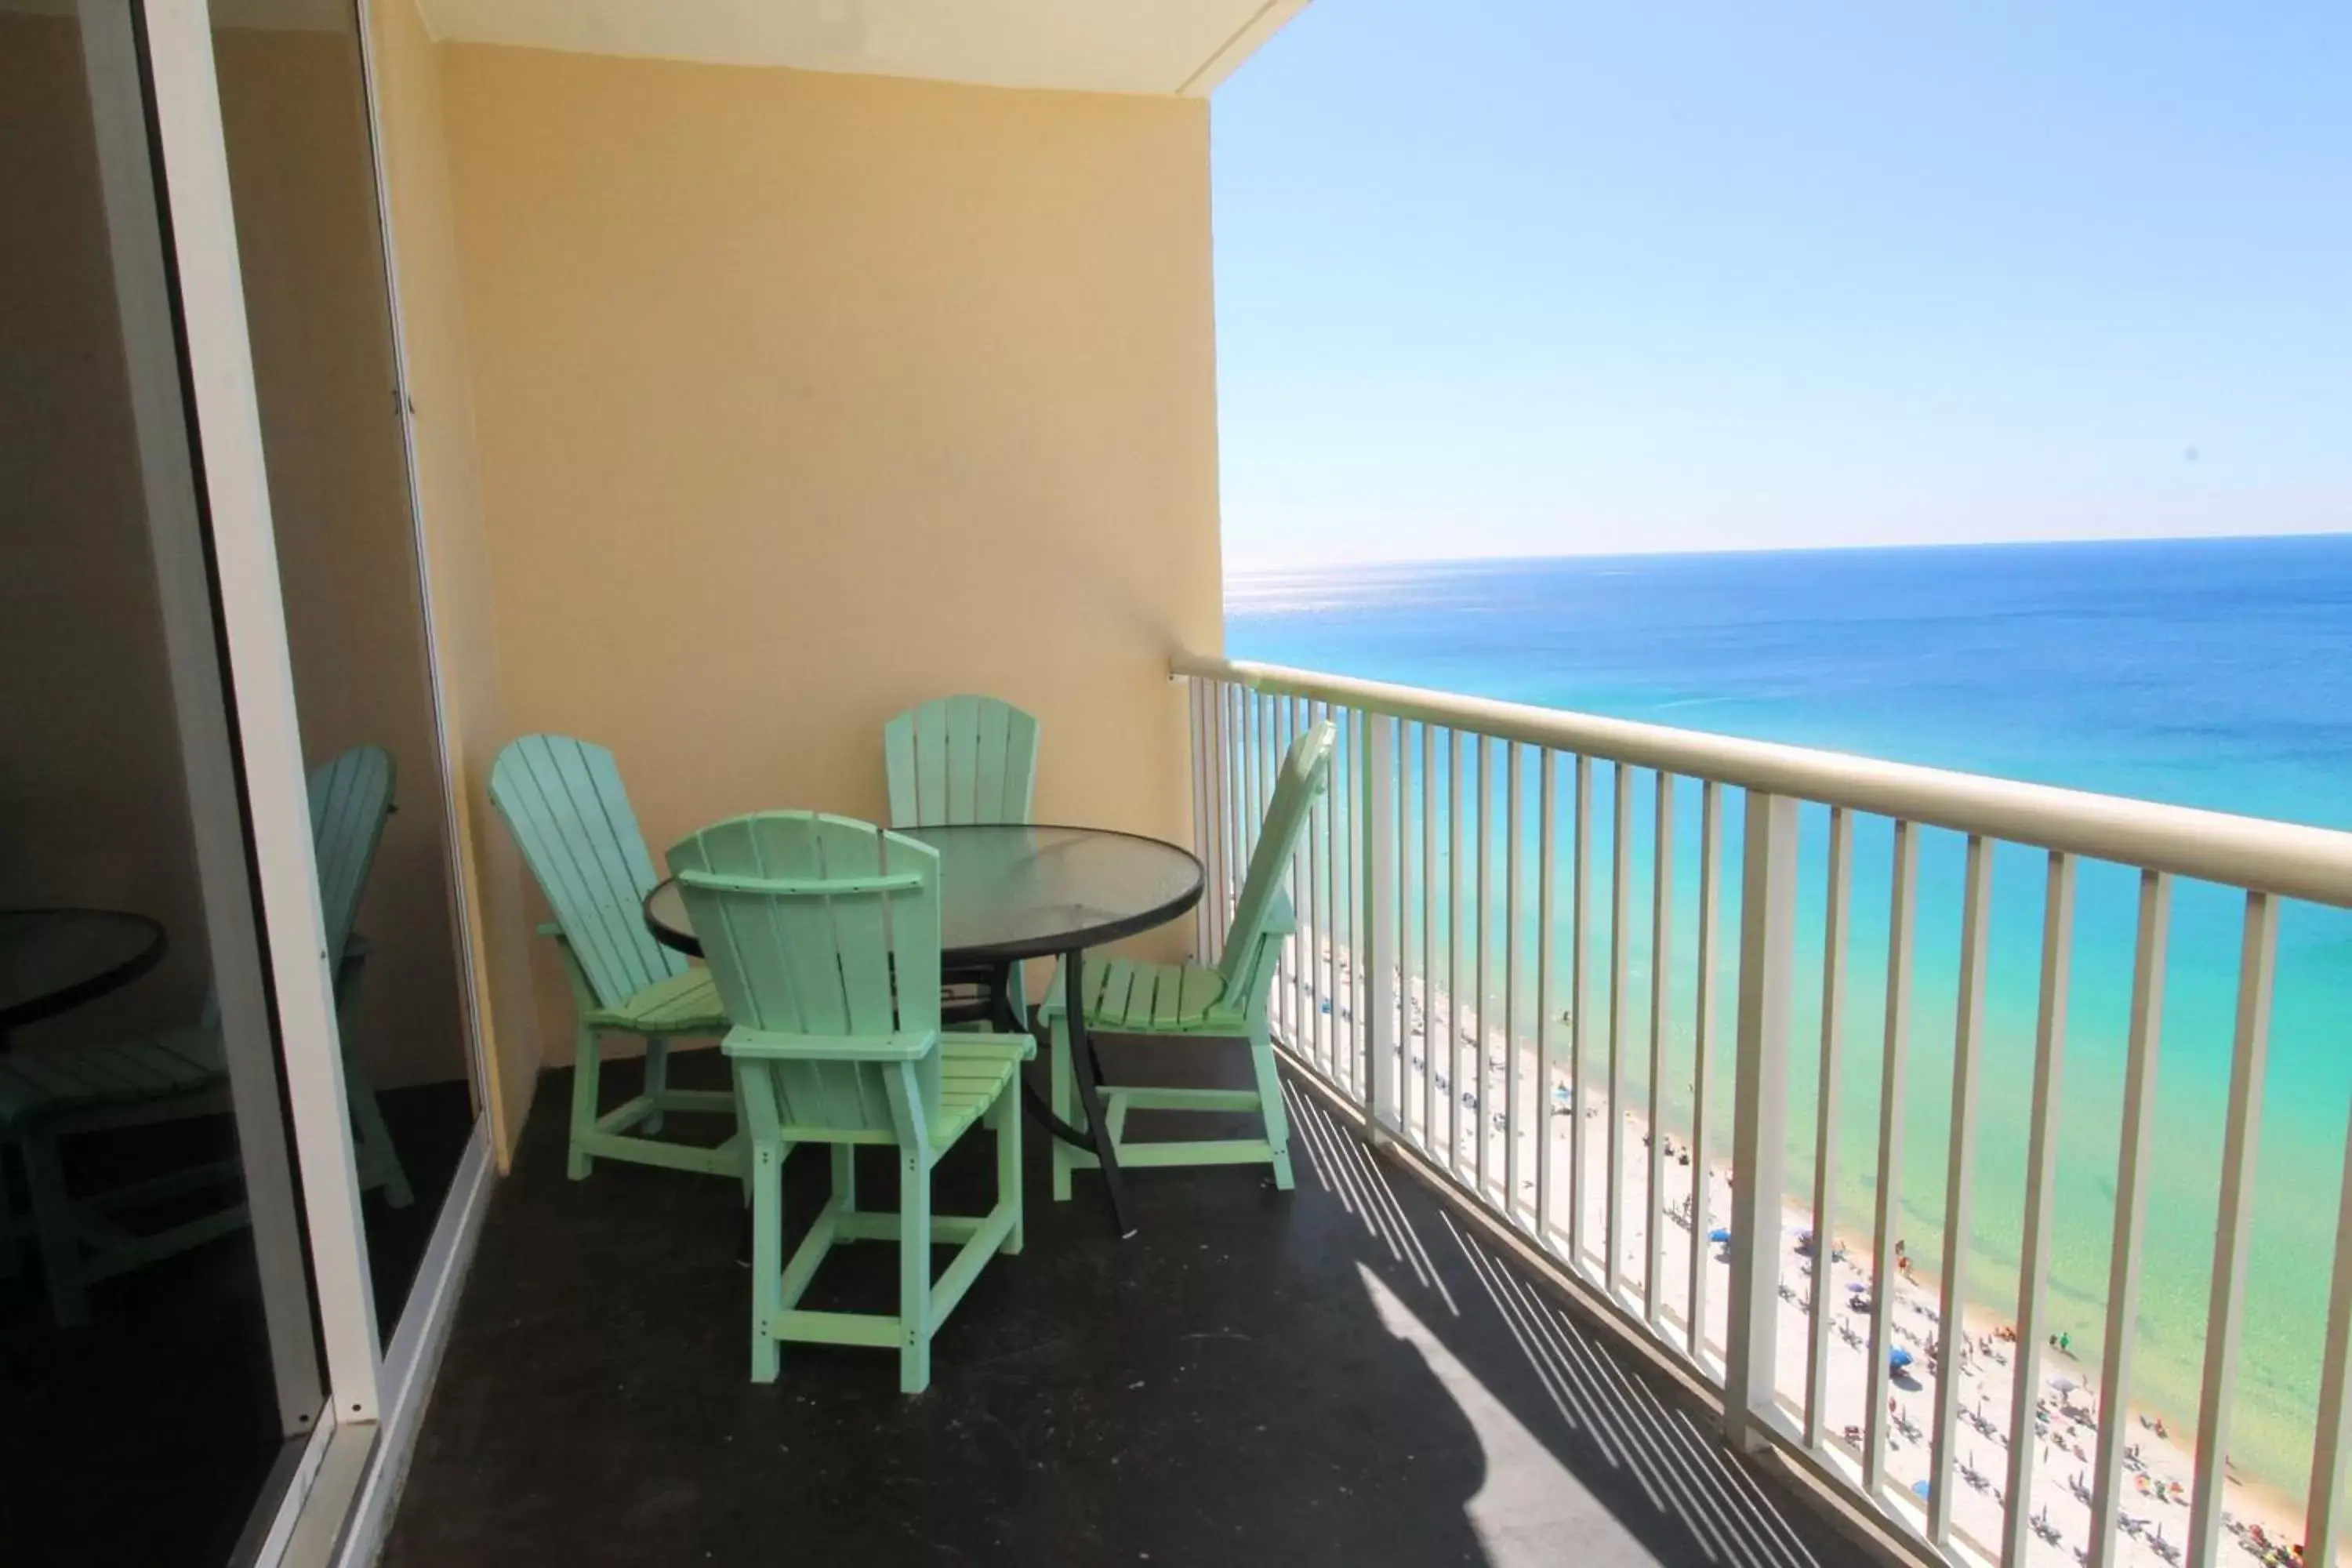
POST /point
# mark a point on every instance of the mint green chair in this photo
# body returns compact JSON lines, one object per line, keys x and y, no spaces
{"x":563,"y":802}
{"x":965,"y":759}
{"x":1194,"y":1001}
{"x":824,"y":935}
{"x":50,"y":1094}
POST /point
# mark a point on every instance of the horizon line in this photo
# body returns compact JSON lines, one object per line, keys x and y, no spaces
{"x":1368,"y":563}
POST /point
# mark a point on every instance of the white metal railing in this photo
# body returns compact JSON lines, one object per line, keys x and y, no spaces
{"x":1427,"y":985}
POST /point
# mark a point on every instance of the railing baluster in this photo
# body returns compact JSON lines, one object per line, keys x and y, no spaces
{"x":2258,"y":959}
{"x":1580,"y":901}
{"x":1514,"y":1111}
{"x":1901,"y":907}
{"x":1768,"y":905}
{"x":1404,"y":947}
{"x":1311,"y":922}
{"x":1287,"y":729}
{"x":1228,"y":766}
{"x":1710,"y":871}
{"x":1327,"y":919}
{"x":1454,"y":945}
{"x":1382,"y":909}
{"x":2131,"y":1210}
{"x":1662,"y":927}
{"x":1825,"y":1124}
{"x":1483,"y":781}
{"x":1621,"y":860}
{"x":1547,"y":820}
{"x":2332,"y":1441}
{"x":1357,"y":915}
{"x":1237,"y":816}
{"x":1960,"y":1182}
{"x":1196,"y":729}
{"x":1428,"y":941}
{"x":2041,"y":1192}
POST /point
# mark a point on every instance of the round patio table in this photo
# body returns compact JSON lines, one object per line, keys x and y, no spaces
{"x":53,"y":959}
{"x":1012,"y":891}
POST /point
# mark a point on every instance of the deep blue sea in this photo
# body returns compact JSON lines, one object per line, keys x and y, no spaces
{"x":2207,"y":673}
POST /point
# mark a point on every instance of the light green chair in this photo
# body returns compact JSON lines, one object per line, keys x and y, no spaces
{"x":965,"y":759}
{"x":823,"y":934}
{"x":50,"y":1094}
{"x":563,"y":800}
{"x":1194,"y":1001}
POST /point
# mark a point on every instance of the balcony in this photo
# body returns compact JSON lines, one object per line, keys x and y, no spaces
{"x":760,"y":371}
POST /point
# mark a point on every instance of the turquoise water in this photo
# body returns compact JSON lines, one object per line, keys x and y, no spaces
{"x":2209,"y":673}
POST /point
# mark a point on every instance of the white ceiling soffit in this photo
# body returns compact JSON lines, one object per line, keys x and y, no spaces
{"x":1084,"y":46}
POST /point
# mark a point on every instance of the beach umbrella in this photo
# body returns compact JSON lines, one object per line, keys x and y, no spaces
{"x":1897,"y":1358}
{"x":1857,"y":1287}
{"x":1719,"y":1234}
{"x":2065,"y":1385}
{"x":1919,"y":1489}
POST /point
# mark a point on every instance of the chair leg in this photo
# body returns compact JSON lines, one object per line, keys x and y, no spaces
{"x":914,"y":1273}
{"x":1064,"y":1100}
{"x":845,"y":1177}
{"x":379,"y":1161}
{"x":1269,"y":1101}
{"x":767,"y":1257}
{"x":656,"y":1081}
{"x":1006,"y":1113}
{"x":584,"y":1066}
{"x":53,"y":1219}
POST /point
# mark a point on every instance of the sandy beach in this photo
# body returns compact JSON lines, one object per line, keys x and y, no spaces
{"x":2259,"y":1523}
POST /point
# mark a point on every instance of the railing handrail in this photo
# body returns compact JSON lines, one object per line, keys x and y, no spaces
{"x":2288,"y":860}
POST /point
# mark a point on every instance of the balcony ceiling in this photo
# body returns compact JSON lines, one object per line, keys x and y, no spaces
{"x":1163,"y":46}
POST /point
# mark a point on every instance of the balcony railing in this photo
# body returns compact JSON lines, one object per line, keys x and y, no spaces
{"x":1458,"y":979}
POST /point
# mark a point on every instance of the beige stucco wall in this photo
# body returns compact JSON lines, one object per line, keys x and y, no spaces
{"x":801,"y":398}
{"x":440,"y":388}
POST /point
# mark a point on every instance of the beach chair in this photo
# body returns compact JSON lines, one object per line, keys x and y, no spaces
{"x":957,"y":760}
{"x":1194,"y":1002}
{"x":824,"y":935}
{"x":563,"y":800}
{"x":51,"y":1093}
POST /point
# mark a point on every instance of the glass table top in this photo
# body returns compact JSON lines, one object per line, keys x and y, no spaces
{"x":51,"y":960}
{"x":1010,"y":891}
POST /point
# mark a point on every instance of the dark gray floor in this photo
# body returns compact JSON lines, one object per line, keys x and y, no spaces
{"x":1339,"y":1375}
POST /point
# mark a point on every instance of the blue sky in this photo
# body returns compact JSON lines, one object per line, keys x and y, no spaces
{"x":1519,"y":278}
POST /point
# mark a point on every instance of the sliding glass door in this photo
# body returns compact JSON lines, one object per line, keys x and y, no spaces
{"x":160,"y":1371}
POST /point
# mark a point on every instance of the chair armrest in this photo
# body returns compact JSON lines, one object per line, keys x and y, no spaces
{"x":788,"y":1047}
{"x":1027,"y":1044}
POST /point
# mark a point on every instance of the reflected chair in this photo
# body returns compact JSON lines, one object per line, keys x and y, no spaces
{"x":823,"y":934}
{"x":48,"y":1093}
{"x":1192,"y":1001}
{"x":563,"y":802}
{"x":956,"y":760}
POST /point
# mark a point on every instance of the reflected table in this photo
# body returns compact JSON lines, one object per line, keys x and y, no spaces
{"x":1009,"y":892}
{"x":53,"y":959}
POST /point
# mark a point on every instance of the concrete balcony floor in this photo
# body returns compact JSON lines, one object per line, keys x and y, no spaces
{"x":1344,"y":1375}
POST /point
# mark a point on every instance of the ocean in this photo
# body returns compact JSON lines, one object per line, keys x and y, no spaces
{"x":2214,"y":673}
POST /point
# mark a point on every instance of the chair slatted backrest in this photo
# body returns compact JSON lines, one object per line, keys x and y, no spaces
{"x":1305,"y":774}
{"x":822,"y":930}
{"x":564,"y":801}
{"x":961,"y":759}
{"x":350,"y":798}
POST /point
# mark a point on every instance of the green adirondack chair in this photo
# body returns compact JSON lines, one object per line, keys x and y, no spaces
{"x":1194,"y":1001}
{"x":48,"y":1094}
{"x":563,"y":802}
{"x":823,"y":933}
{"x":964,"y":759}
